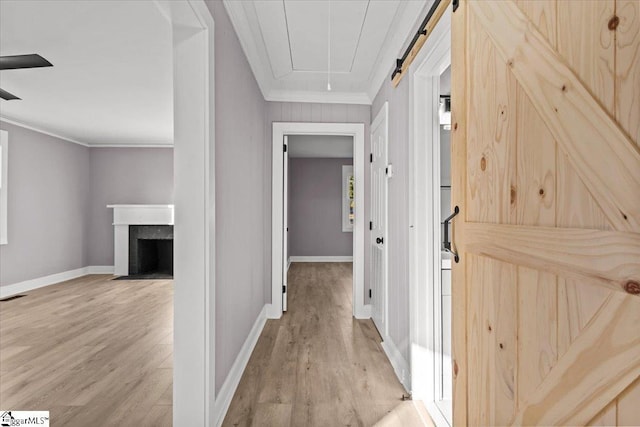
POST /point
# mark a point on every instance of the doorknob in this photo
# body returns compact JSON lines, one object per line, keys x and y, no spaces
{"x":379,"y":240}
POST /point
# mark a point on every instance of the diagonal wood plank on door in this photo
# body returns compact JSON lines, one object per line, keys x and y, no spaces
{"x":583,"y":129}
{"x":602,"y":362}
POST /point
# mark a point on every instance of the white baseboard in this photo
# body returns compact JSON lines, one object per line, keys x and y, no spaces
{"x":364,"y":312}
{"x":40,"y":282}
{"x":100,"y":269}
{"x":228,"y":389}
{"x":400,"y":365}
{"x":288,"y":264}
{"x":321,"y":259}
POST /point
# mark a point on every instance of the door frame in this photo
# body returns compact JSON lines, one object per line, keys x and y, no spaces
{"x":382,"y":116}
{"x":355,"y":130}
{"x":424,"y":238}
{"x":193,"y":60}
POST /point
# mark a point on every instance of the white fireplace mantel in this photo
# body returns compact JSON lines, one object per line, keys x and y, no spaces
{"x":126,"y":215}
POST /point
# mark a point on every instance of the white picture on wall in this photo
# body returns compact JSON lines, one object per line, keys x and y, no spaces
{"x":4,"y":175}
{"x":348,"y":198}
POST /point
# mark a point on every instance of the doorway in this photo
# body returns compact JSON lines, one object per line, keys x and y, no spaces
{"x":319,"y":205}
{"x":430,"y":318}
{"x":281,"y":134}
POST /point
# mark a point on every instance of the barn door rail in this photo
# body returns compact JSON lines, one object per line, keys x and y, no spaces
{"x":424,"y":31}
{"x":446,"y":244}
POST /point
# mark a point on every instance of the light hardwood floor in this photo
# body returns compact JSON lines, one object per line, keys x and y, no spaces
{"x":317,"y":366}
{"x":92,"y":351}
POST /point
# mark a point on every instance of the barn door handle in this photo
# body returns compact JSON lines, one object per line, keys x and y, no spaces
{"x":446,"y":245}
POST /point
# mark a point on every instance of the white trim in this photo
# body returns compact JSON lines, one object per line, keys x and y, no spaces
{"x":52,"y":279}
{"x":400,"y":365}
{"x":194,"y":230}
{"x":132,"y":145}
{"x":358,"y":98}
{"x":424,"y":212}
{"x":320,"y":259}
{"x":228,"y":389}
{"x":100,"y":269}
{"x":238,"y":18}
{"x":436,"y":414}
{"x":38,"y":129}
{"x":360,"y":309}
{"x":4,"y":186}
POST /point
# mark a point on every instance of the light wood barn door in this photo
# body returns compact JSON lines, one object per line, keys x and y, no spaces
{"x":546,"y":172}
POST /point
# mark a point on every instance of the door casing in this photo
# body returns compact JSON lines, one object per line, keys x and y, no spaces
{"x":424,"y":211}
{"x":355,"y":130}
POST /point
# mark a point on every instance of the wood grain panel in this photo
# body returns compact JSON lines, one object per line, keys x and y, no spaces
{"x":492,"y":341}
{"x":459,"y":288}
{"x":628,"y":409}
{"x":601,"y":363}
{"x":491,"y":132}
{"x":628,"y":67}
{"x":543,"y":14}
{"x":565,"y":251}
{"x":572,"y":114}
{"x":587,"y":44}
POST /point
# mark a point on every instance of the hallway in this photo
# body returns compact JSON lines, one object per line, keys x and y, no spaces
{"x":317,"y":366}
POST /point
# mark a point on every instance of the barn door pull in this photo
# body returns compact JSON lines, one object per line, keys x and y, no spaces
{"x":446,"y":245}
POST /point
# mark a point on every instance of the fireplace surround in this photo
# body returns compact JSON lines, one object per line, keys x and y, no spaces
{"x":153,"y":226}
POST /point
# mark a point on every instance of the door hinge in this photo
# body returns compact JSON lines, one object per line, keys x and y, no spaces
{"x":370,"y":225}
{"x":369,"y":293}
{"x":284,"y":289}
{"x":370,"y":157}
{"x":284,"y":147}
{"x":455,"y":4}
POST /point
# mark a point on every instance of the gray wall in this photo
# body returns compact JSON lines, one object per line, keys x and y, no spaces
{"x":398,"y":216}
{"x":243,"y":219}
{"x":315,"y":208}
{"x":48,"y":199}
{"x":124,"y":176}
{"x":326,"y":113}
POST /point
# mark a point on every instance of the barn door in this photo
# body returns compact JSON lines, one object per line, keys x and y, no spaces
{"x":546,"y":172}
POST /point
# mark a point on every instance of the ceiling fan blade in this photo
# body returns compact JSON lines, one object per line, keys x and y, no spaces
{"x":13,"y":62}
{"x":7,"y":96}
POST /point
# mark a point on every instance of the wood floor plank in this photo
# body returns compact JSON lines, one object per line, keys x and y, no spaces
{"x":92,"y":351}
{"x":318,"y":366}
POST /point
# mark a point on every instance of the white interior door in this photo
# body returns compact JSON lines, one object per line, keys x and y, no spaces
{"x":285,"y":221}
{"x":379,"y":137}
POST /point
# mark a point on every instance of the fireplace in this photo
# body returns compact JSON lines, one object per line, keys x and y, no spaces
{"x":151,"y":251}
{"x":143,"y":241}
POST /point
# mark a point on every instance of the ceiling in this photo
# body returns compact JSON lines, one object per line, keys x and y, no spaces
{"x":286,"y":42}
{"x":322,"y":146}
{"x":114,"y":90}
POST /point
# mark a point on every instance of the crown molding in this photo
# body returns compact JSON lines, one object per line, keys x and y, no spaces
{"x":40,"y":130}
{"x":75,"y":141}
{"x":359,"y":98}
{"x":132,"y":145}
{"x":238,"y":18}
